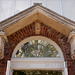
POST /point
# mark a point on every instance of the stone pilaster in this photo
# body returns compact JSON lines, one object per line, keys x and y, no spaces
{"x":71,"y":40}
{"x":3,"y":39}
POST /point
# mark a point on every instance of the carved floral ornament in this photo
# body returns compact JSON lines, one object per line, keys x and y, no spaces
{"x":71,"y":40}
{"x":3,"y":39}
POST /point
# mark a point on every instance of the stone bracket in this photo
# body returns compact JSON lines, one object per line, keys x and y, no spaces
{"x":71,"y":40}
{"x":3,"y":39}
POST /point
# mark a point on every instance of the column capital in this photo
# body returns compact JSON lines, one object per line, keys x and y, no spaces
{"x":71,"y":40}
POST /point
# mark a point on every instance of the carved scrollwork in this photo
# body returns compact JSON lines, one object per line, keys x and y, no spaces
{"x":71,"y":40}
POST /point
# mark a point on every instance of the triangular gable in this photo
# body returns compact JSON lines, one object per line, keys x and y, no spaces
{"x":37,"y":12}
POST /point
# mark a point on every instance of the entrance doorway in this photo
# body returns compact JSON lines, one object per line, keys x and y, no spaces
{"x":37,"y":53}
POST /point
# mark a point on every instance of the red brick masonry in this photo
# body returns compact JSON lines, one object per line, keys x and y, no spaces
{"x":46,"y":31}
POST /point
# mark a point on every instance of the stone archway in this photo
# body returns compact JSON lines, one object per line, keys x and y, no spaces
{"x":46,"y":31}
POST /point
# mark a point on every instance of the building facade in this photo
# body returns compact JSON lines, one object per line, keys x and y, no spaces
{"x":37,"y":23}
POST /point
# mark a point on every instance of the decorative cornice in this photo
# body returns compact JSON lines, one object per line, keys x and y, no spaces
{"x":6,"y":23}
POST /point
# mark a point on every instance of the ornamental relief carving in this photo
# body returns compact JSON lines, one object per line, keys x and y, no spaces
{"x":71,"y":40}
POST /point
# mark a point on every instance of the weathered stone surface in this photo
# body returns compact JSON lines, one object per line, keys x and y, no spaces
{"x":71,"y":40}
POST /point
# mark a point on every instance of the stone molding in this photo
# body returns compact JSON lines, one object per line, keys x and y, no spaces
{"x":3,"y":39}
{"x":36,"y":8}
{"x":38,"y":63}
{"x":71,"y":40}
{"x":35,"y":64}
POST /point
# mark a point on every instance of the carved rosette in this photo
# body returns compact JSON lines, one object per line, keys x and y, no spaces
{"x":3,"y":39}
{"x":71,"y":40}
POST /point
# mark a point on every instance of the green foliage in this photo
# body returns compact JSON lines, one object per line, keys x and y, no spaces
{"x":37,"y":72}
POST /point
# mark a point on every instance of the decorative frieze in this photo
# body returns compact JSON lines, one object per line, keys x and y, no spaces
{"x":71,"y":40}
{"x":3,"y":39}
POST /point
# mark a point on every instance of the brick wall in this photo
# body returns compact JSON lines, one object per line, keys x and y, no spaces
{"x":46,"y":31}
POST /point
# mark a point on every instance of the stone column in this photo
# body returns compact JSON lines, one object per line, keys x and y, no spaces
{"x":71,"y":40}
{"x":3,"y":39}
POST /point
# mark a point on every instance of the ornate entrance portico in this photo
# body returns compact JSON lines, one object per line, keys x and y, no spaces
{"x":37,"y":23}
